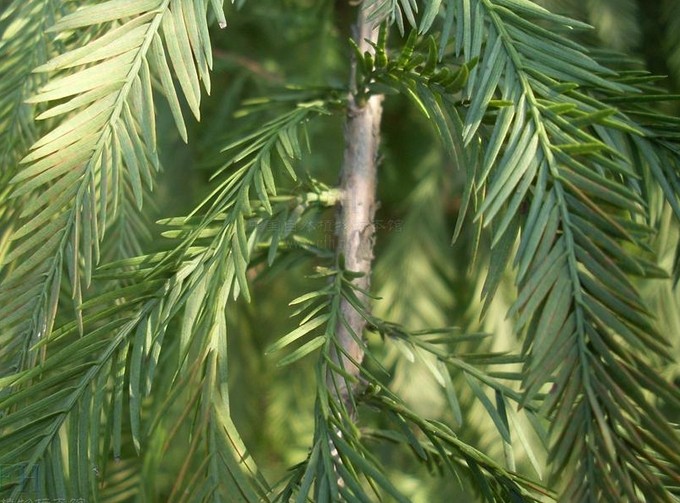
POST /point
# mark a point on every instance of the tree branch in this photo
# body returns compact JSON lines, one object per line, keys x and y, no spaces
{"x":355,"y":219}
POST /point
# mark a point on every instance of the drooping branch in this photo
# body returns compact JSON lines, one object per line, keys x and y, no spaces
{"x":355,"y":219}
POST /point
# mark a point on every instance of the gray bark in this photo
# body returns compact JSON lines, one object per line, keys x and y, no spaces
{"x":355,"y":220}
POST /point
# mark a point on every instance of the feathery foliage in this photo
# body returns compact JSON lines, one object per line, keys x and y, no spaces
{"x":125,"y":356}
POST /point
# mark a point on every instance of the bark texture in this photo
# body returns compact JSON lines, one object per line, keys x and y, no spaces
{"x":355,"y":221}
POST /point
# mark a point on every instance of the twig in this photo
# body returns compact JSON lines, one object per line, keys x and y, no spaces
{"x":355,"y":220}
